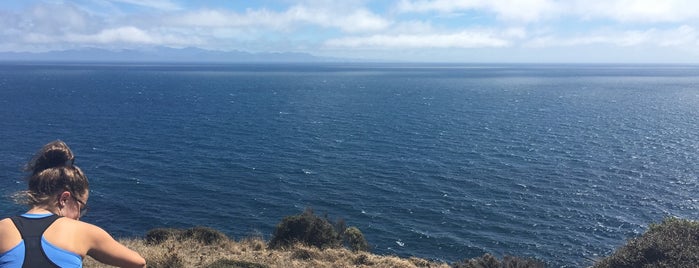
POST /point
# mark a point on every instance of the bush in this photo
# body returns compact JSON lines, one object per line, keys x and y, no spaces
{"x":490,"y":261}
{"x":204,"y":235}
{"x":311,"y":230}
{"x":307,"y":229}
{"x":672,"y":243}
{"x":160,"y":235}
{"x":355,"y":239}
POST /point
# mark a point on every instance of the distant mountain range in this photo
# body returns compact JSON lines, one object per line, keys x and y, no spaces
{"x":161,"y":54}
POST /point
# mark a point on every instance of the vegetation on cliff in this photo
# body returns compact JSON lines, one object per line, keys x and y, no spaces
{"x":307,"y":240}
{"x":672,"y":243}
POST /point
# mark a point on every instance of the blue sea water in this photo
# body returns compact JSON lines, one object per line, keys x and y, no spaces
{"x":558,"y":162}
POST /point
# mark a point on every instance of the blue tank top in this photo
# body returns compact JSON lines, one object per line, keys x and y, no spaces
{"x":62,"y":258}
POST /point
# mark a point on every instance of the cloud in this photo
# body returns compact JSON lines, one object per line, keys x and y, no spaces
{"x":156,"y":4}
{"x":114,"y":36}
{"x":519,"y":10}
{"x":65,"y":24}
{"x":131,"y":35}
{"x":357,"y":20}
{"x":647,"y":11}
{"x":55,"y":19}
{"x":463,"y":39}
{"x":359,"y":27}
{"x":49,"y":26}
{"x":682,"y":36}
{"x":638,"y":10}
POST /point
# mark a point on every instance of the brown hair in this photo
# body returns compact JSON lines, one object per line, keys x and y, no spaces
{"x":52,"y":171}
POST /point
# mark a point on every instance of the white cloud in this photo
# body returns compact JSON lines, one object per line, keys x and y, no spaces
{"x":464,"y":39}
{"x":357,"y":20}
{"x":683,"y":36}
{"x":638,"y":10}
{"x":536,"y":10}
{"x":360,"y":20}
{"x":362,"y":27}
{"x":219,"y":18}
{"x":116,"y":35}
{"x":156,"y":4}
{"x":123,"y":35}
{"x":413,"y":26}
{"x":520,"y":10}
{"x":56,"y":19}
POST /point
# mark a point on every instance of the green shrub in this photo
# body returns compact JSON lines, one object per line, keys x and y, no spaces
{"x":204,"y":235}
{"x":307,"y":229}
{"x":672,"y":243}
{"x":159,"y":235}
{"x":354,"y":238}
{"x":490,"y":261}
{"x":226,"y":263}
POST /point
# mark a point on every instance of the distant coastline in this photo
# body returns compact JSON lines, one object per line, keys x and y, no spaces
{"x":190,"y":55}
{"x":163,"y":55}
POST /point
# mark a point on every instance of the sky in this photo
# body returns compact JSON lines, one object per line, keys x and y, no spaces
{"x":588,"y":31}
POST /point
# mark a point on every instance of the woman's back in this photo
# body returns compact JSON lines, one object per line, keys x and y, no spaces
{"x":44,"y":240}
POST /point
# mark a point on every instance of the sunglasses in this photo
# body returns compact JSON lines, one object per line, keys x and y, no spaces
{"x":83,"y":207}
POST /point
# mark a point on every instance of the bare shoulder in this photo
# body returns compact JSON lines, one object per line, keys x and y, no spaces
{"x":79,"y":231}
{"x":9,"y":234}
{"x":5,"y":221}
{"x":6,"y":225}
{"x":81,"y":226}
{"x":76,"y":236}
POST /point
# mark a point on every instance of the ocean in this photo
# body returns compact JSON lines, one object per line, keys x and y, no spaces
{"x":559,"y":162}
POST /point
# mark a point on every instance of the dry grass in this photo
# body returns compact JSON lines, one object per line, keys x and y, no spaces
{"x":253,"y":252}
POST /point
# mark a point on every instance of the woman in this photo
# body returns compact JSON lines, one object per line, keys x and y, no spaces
{"x":51,"y":234}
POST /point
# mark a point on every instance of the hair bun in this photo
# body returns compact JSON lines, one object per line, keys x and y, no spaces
{"x":51,"y":155}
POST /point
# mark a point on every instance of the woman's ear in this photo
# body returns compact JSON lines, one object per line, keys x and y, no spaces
{"x":63,"y":198}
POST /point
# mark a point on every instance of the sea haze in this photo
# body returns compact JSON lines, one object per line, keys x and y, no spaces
{"x":557,"y":162}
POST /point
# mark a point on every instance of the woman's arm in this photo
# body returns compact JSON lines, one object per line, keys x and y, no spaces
{"x":105,"y":249}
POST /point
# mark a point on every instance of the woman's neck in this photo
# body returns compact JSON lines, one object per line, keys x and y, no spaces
{"x":40,"y":210}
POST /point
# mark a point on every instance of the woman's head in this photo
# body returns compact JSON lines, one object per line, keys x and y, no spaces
{"x":53,"y":175}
